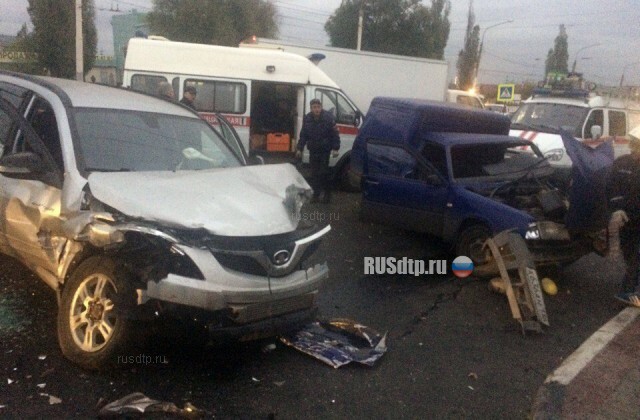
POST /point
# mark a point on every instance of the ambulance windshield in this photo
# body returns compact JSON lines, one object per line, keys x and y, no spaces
{"x":550,"y":116}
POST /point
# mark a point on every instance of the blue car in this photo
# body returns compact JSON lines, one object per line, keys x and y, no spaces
{"x":421,"y":169}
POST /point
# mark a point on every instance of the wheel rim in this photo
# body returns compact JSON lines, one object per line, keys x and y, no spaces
{"x":92,"y":320}
{"x":476,"y":253}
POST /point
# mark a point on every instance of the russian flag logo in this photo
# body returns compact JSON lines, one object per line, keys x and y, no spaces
{"x":462,"y":266}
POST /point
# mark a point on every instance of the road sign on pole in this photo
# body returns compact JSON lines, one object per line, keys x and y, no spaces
{"x":506,"y":93}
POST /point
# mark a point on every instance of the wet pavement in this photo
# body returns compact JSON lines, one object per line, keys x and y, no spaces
{"x":453,"y":349}
{"x":601,"y":379}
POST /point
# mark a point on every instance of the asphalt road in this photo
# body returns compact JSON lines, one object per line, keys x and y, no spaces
{"x":453,"y":349}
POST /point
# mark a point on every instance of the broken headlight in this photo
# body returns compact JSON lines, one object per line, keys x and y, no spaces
{"x":547,"y":231}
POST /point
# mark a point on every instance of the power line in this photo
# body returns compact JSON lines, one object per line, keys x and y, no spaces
{"x":300,"y":8}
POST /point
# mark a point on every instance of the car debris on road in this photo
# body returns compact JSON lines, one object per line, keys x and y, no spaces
{"x":339,"y":342}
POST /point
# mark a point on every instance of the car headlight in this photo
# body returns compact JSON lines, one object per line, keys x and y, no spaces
{"x":547,"y":231}
{"x":554,"y":155}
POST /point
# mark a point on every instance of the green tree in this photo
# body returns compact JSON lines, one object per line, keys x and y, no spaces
{"x":54,"y":34}
{"x":403,"y":27}
{"x":220,"y":22}
{"x":468,"y":56}
{"x":558,"y":56}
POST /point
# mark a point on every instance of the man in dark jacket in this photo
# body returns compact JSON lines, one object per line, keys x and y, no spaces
{"x":624,"y":193}
{"x":320,"y":134}
{"x":189,"y":96}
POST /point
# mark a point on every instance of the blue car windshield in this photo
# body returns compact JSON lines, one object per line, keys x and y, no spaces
{"x":119,"y":140}
{"x":495,"y":162}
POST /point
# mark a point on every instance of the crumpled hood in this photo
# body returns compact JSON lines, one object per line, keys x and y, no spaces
{"x":243,"y":201}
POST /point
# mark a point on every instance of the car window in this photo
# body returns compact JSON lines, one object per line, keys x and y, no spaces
{"x":437,"y":156}
{"x":634,"y":120}
{"x":147,"y":83}
{"x":596,"y":117}
{"x":229,"y":134}
{"x":21,"y":137}
{"x":7,"y":127}
{"x":16,"y":97}
{"x":118,"y":140}
{"x":470,"y":101}
{"x":219,"y":96}
{"x":43,"y":121}
{"x":568,"y":117}
{"x":617,"y":123}
{"x":337,"y":105}
{"x":391,"y":161}
{"x":494,"y":160}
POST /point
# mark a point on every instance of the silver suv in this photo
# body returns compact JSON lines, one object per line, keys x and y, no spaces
{"x":129,"y":206}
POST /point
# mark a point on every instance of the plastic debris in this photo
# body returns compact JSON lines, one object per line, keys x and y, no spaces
{"x":473,"y":375}
{"x":339,"y":342}
{"x":41,"y":385}
{"x":138,"y":403}
{"x":254,"y":379}
{"x":52,"y":398}
{"x":269,"y":348}
{"x":10,"y":381}
{"x":42,"y":357}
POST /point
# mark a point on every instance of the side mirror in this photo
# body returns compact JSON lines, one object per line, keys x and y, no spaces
{"x":596,"y":132}
{"x":21,"y":163}
{"x":357,"y":119}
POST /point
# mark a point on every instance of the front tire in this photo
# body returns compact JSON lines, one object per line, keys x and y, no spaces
{"x":471,"y":241}
{"x":92,"y":328}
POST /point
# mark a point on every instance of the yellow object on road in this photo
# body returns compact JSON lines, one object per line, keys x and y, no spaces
{"x":549,"y":286}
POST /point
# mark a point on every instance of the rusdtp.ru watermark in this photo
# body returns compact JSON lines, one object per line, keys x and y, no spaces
{"x":404,"y":265}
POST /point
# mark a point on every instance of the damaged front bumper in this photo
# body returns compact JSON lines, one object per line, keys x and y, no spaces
{"x":551,"y":243}
{"x":250,"y":304}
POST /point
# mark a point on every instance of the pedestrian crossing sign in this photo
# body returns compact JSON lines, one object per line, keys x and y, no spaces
{"x":506,"y":93}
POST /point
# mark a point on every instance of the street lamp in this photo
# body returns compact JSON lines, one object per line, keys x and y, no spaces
{"x":573,"y":69}
{"x":482,"y":43}
{"x":625,"y":69}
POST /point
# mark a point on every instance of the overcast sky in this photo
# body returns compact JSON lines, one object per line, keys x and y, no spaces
{"x":512,"y":51}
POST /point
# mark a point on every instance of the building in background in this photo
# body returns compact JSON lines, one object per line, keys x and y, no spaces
{"x":103,"y":71}
{"x":126,"y":27}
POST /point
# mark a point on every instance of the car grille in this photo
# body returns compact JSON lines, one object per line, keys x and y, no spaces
{"x":257,"y":311}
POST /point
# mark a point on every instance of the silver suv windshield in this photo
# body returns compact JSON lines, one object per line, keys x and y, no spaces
{"x":541,"y":116}
{"x":119,"y":140}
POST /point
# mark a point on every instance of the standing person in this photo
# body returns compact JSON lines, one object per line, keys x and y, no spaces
{"x":624,"y":193}
{"x":189,"y":97}
{"x":320,"y":134}
{"x":165,"y":91}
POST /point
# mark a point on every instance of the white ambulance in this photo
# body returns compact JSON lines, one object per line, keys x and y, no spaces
{"x":591,"y":118}
{"x":264,"y":93}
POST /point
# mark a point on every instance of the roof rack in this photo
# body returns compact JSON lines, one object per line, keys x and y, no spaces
{"x":568,"y":85}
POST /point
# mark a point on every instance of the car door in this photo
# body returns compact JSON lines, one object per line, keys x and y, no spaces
{"x":231,"y":137}
{"x":30,"y":191}
{"x":400,"y":189}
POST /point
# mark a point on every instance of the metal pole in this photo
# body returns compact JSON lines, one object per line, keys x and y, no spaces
{"x":573,"y":68}
{"x":360,"y":19}
{"x":79,"y":56}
